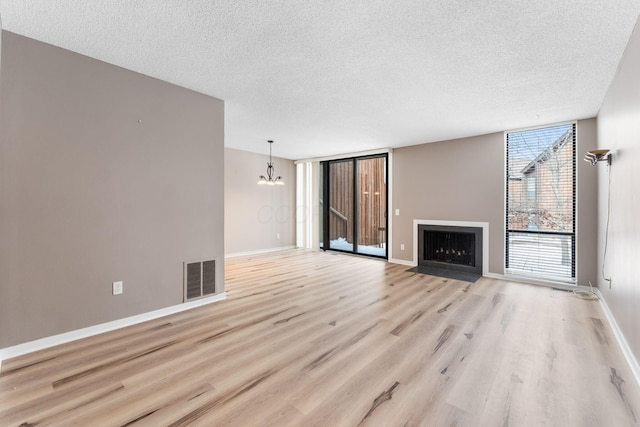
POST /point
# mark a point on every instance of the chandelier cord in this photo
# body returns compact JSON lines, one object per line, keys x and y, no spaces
{"x":270,"y":179}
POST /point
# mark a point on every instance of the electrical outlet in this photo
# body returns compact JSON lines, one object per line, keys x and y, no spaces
{"x":402,"y":246}
{"x":278,"y":236}
{"x":117,"y":288}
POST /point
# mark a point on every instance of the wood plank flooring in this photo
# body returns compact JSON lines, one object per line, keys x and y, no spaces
{"x":319,"y":339}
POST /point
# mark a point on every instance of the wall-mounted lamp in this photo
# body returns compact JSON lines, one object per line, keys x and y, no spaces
{"x":270,"y":179}
{"x":594,"y":156}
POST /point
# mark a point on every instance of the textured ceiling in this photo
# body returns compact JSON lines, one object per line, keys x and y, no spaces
{"x":336,"y":76}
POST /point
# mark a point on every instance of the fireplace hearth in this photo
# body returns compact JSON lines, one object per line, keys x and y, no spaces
{"x":450,"y":251}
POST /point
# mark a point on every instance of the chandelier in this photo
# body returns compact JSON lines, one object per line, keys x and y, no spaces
{"x":270,"y":179}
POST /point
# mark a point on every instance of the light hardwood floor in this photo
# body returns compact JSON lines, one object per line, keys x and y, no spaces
{"x":318,"y":339}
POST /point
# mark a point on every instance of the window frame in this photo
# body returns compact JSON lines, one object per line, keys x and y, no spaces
{"x":326,"y":195}
{"x":541,"y":233}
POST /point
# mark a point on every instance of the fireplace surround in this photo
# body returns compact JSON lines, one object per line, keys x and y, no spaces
{"x":456,"y":249}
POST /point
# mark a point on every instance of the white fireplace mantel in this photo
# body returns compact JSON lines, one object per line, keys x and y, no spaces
{"x":485,"y":237}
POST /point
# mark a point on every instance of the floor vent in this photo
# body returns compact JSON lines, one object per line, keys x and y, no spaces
{"x":199,"y":279}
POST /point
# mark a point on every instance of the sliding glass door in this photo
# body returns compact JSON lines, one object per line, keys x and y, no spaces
{"x":372,"y":206}
{"x":341,"y":205}
{"x":355,"y":217}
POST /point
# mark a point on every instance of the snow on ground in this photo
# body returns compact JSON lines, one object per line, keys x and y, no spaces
{"x":341,"y":244}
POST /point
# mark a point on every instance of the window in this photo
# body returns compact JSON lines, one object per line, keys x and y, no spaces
{"x":531,"y":191}
{"x":540,"y":202}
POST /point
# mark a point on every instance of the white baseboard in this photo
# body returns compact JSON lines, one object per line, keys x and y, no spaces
{"x":259,"y":251}
{"x":531,"y":281}
{"x":622,"y":342}
{"x":402,"y":262}
{"x":40,"y":344}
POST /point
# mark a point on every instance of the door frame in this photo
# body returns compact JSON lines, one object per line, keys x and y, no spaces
{"x":325,"y":214}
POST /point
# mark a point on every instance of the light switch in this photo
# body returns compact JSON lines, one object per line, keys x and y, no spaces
{"x":117,"y":288}
{"x":397,"y":212}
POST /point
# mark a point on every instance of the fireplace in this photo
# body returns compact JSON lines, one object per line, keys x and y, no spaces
{"x":450,"y":249}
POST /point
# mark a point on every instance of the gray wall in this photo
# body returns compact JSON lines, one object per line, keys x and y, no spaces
{"x":463,"y":180}
{"x":256,"y":214}
{"x":90,"y":195}
{"x":587,"y":202}
{"x":619,"y":131}
{"x":458,"y":180}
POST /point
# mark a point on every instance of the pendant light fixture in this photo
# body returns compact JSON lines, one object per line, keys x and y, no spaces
{"x":270,"y":179}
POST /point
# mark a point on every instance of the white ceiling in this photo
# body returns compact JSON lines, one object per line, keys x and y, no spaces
{"x":335,"y":76}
